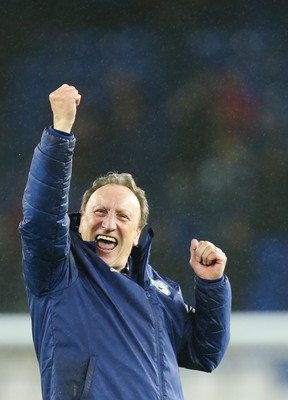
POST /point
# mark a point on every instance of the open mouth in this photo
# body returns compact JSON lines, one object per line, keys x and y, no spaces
{"x":106,"y":242}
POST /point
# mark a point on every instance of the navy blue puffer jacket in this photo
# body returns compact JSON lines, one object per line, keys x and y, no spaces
{"x":98,"y":334}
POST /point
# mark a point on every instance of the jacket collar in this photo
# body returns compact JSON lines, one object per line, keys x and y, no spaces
{"x":139,"y":254}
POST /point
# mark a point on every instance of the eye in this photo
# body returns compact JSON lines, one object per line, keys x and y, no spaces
{"x":123,"y":217}
{"x":101,"y":212}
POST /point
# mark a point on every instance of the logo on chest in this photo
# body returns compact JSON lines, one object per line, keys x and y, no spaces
{"x":161,"y":286}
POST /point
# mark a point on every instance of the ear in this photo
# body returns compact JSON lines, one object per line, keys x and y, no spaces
{"x":82,"y":222}
{"x":137,"y":236}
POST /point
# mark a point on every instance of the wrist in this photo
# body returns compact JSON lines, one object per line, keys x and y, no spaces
{"x":63,"y":126}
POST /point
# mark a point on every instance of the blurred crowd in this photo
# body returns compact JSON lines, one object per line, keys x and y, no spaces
{"x":199,"y":117}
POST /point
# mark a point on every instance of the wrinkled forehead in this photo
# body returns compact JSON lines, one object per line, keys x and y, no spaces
{"x":115,"y":197}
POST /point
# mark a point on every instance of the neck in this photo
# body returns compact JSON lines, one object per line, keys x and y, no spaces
{"x":125,"y":270}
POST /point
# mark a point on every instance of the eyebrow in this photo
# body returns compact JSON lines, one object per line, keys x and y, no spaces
{"x":118,"y":210}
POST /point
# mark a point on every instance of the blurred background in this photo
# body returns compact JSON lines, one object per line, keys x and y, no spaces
{"x":190,"y":96}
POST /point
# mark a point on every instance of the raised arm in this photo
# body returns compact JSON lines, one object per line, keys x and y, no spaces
{"x":45,"y":225}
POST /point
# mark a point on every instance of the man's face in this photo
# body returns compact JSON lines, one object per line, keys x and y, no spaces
{"x":111,"y":217}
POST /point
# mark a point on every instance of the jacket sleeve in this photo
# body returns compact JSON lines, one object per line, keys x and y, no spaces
{"x":207,"y":328}
{"x":45,"y":226}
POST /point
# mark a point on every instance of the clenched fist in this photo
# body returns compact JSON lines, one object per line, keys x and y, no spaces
{"x":64,"y":102}
{"x":207,"y":260}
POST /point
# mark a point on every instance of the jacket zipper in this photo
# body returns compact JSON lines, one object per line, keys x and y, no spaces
{"x":156,"y":325}
{"x":158,"y":355}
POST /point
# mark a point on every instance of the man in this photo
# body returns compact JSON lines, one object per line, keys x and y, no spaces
{"x":106,"y":325}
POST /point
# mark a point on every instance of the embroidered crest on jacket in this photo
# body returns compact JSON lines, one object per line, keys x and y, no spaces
{"x":161,"y":286}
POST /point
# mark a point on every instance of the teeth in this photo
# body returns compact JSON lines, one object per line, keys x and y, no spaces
{"x":107,"y":238}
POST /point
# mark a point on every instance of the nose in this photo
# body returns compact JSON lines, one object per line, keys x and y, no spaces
{"x":109,"y":222}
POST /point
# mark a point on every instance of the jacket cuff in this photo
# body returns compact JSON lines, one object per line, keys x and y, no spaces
{"x":61,"y":134}
{"x":207,"y":282}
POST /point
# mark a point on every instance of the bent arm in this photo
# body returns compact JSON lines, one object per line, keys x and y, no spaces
{"x":207,"y":329}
